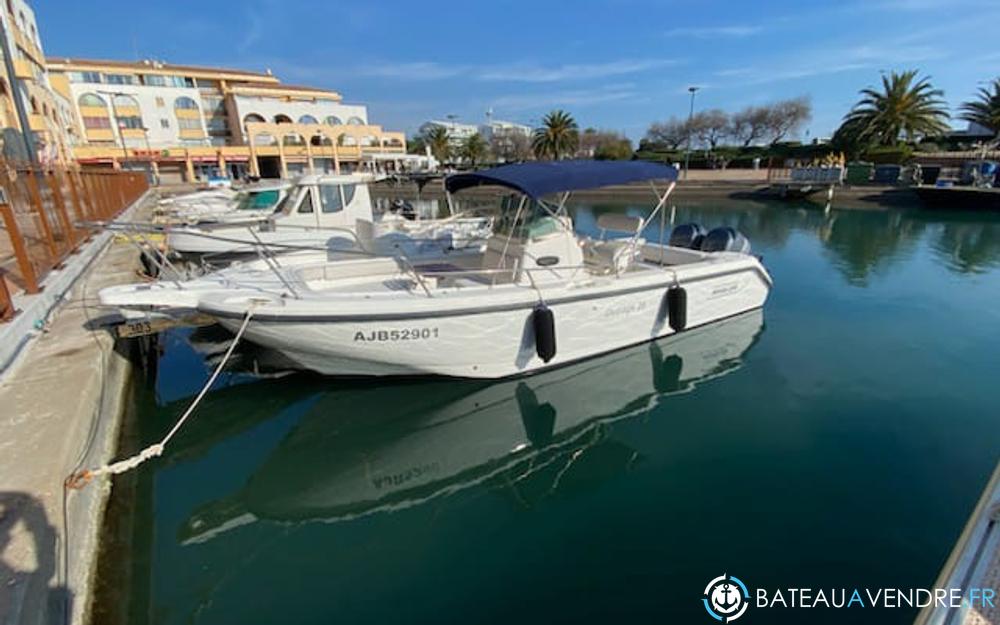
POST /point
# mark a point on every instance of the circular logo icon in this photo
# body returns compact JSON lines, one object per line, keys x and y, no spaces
{"x":726,"y":598}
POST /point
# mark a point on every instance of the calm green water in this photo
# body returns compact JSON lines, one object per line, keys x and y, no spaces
{"x":839,"y":439}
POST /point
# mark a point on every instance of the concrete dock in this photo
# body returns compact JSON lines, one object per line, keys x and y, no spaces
{"x":62,"y":400}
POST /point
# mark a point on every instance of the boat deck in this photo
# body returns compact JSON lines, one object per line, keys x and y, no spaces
{"x":974,"y":563}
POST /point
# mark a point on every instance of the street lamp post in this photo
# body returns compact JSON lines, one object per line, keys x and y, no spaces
{"x":687,"y":153}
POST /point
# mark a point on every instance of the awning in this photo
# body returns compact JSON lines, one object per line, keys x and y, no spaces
{"x":542,"y":178}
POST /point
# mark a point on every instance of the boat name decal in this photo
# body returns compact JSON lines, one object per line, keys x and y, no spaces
{"x":402,"y":477}
{"x":401,"y":334}
{"x":726,"y":289}
{"x":625,"y":309}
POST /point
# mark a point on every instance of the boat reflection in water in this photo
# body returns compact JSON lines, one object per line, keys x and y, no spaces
{"x":388,"y":447}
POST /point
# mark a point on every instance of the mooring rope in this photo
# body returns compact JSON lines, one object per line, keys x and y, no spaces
{"x":82,"y":478}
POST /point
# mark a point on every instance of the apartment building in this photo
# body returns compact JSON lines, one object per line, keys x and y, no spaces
{"x":187,"y":121}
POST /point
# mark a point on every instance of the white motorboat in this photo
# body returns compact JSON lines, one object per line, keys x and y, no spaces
{"x":332,"y":212}
{"x":386,"y":448}
{"x":541,"y":296}
{"x":177,"y":297}
{"x":255,"y":201}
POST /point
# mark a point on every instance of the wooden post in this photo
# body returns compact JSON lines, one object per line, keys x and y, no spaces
{"x":36,"y":200}
{"x":7,"y":311}
{"x":20,"y":251}
{"x":55,"y":188}
{"x":78,"y":209}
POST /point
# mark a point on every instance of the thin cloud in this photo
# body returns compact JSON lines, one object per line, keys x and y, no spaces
{"x":524,"y":72}
{"x":705,"y":32}
{"x":577,"y":71}
{"x":816,"y":63}
{"x":420,"y":70}
{"x":573,"y":97}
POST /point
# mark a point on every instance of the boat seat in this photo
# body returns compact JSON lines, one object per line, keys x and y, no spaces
{"x":612,"y":256}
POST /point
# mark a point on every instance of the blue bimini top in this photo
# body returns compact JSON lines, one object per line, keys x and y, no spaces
{"x":541,"y":178}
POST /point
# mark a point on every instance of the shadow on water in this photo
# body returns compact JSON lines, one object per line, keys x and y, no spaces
{"x":29,"y":595}
{"x":362,"y":448}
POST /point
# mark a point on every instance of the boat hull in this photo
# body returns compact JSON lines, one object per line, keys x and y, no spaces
{"x":497,"y":342}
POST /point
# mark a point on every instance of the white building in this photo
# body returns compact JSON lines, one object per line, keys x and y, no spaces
{"x":457,"y":133}
{"x":499,"y":127}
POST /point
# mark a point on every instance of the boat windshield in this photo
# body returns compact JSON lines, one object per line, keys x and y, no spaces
{"x":259,"y":200}
{"x":530,"y":222}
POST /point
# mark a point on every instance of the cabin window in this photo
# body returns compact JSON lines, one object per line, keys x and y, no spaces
{"x":349,"y":193}
{"x":330,"y":199}
{"x":333,"y":198}
{"x":307,"y":203}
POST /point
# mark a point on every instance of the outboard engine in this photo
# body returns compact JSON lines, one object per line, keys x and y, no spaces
{"x":687,"y":235}
{"x":725,"y":239}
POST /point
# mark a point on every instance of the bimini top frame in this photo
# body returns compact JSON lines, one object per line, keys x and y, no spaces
{"x":543,"y":178}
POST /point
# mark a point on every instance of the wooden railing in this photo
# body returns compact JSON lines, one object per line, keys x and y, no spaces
{"x":43,"y":214}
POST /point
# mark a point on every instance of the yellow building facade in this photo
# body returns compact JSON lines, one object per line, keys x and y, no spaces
{"x":47,"y":117}
{"x":188,"y":122}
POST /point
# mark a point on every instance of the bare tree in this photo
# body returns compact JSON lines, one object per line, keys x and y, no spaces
{"x":770,"y":122}
{"x":787,"y":117}
{"x":749,"y":125}
{"x":710,"y":127}
{"x":670,"y":134}
{"x":510,"y":145}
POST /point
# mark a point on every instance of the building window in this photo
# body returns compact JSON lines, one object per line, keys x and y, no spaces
{"x":282,"y":119}
{"x":132,"y":122}
{"x":355,"y":121}
{"x":94,"y":77}
{"x":185,"y":103}
{"x":333,"y":120}
{"x":179,"y":81}
{"x":91,"y":99}
{"x":94,"y":123}
{"x":154,"y":80}
{"x":213,"y":105}
{"x":164,"y":123}
{"x":216,"y":123}
{"x":253,"y":118}
{"x":188,"y":124}
{"x":126,"y":101}
{"x":119,"y":79}
{"x":308,"y":119}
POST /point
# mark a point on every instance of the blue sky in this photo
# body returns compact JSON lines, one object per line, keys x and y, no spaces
{"x":616,"y":65}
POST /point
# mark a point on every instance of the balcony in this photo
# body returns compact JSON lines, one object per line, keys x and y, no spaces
{"x":22,"y":69}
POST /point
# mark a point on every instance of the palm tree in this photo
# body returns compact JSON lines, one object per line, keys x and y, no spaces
{"x":439,"y":142}
{"x":986,"y":110}
{"x":905,"y":106}
{"x":558,"y":136}
{"x":474,"y":149}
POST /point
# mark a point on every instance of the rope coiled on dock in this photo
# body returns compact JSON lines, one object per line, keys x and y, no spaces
{"x":81,"y":478}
